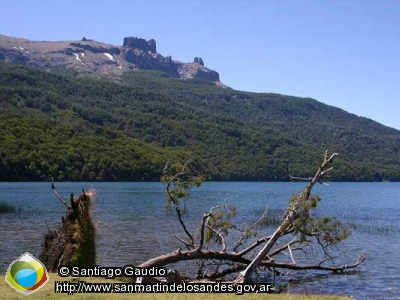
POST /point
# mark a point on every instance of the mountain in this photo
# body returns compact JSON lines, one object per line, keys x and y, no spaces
{"x":95,"y":58}
{"x":75,"y":127}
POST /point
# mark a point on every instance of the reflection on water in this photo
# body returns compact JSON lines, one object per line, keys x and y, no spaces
{"x":132,"y":225}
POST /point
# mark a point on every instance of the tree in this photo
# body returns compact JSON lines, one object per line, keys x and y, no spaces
{"x":298,"y":230}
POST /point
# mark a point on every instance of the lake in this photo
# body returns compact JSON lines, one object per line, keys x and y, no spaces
{"x":132,"y":225}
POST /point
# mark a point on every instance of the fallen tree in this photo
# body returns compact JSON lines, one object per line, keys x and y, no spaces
{"x":221,"y":249}
{"x":299,"y":229}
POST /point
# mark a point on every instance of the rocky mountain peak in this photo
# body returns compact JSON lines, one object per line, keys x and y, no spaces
{"x":90,"y":57}
{"x":139,"y":43}
{"x":198,"y":60}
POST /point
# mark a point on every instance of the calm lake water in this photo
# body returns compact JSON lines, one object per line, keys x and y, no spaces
{"x":132,"y":225}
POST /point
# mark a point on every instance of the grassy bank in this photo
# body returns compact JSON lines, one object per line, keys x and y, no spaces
{"x":47,"y":292}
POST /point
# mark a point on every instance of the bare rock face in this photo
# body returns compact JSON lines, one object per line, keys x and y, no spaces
{"x":206,"y":74}
{"x":89,"y":57}
{"x":150,"y":60}
{"x":15,"y":56}
{"x":138,"y":43}
{"x":143,"y":54}
{"x":196,"y":70}
{"x":199,"y":61}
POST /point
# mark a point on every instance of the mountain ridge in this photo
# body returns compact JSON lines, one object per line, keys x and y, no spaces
{"x":91,"y":57}
{"x":85,"y":128}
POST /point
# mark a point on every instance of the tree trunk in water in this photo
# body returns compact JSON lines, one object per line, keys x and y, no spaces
{"x":74,"y":242}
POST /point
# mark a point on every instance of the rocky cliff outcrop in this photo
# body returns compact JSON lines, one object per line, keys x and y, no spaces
{"x":92,"y":57}
{"x":144,"y":55}
{"x":138,"y":43}
{"x":198,"y":60}
{"x":196,"y":70}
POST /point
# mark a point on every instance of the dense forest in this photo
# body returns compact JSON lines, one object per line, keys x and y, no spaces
{"x":125,"y":129}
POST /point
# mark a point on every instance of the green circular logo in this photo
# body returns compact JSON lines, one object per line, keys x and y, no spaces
{"x":26,"y":274}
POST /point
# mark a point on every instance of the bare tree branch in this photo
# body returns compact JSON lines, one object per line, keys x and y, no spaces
{"x":58,"y":195}
{"x":187,"y":244}
{"x":254,"y":245}
{"x":178,"y":212}
{"x":282,"y":248}
{"x":291,"y":254}
{"x":244,"y":232}
{"x":202,"y":228}
{"x":194,"y":254}
{"x":221,"y":237}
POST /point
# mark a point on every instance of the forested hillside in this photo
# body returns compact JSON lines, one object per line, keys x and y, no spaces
{"x":90,"y":129}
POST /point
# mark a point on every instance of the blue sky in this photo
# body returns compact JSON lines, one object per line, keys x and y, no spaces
{"x":342,"y":53}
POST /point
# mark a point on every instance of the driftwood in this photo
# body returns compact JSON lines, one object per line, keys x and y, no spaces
{"x":73,"y":243}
